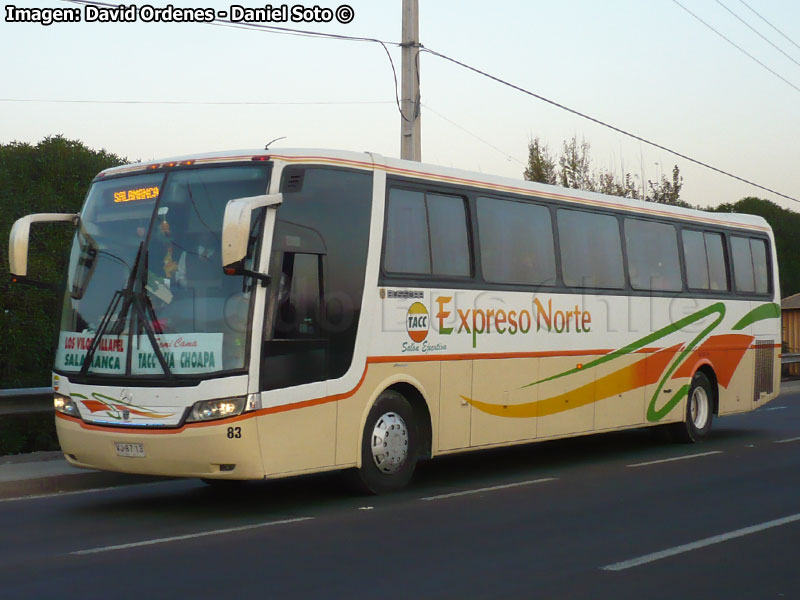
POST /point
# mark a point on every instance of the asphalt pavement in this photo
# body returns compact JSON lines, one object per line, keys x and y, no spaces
{"x":619,"y":515}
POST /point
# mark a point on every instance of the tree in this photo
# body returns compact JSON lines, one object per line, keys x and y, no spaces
{"x":576,"y":166}
{"x":785,"y":225}
{"x":51,"y":176}
{"x":628,"y":187}
{"x":541,"y":166}
{"x":667,"y":192}
{"x":575,"y":171}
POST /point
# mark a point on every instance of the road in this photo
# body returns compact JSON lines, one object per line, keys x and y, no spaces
{"x":610,"y":516}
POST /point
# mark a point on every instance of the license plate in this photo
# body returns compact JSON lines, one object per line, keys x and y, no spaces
{"x":129,"y":449}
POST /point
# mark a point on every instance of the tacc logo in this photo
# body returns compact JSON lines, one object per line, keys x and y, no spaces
{"x":417,"y":322}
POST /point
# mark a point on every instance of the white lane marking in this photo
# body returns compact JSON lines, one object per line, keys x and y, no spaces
{"x":794,"y":439}
{"x":489,"y":489}
{"x":666,"y":460}
{"x":75,"y":492}
{"x":776,"y":407}
{"x":716,"y":539}
{"x":189,"y":536}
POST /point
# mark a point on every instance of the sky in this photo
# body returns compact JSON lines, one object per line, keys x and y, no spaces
{"x":647,"y":67}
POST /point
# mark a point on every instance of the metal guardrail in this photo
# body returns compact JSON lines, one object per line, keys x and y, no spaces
{"x":26,"y":401}
{"x":788,"y":359}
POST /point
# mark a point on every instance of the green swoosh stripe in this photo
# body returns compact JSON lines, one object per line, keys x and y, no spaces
{"x":717,"y":307}
{"x":656,"y":415}
{"x":770,"y":310}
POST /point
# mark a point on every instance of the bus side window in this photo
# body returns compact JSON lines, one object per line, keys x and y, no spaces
{"x":717,"y":266}
{"x":705,"y":264}
{"x":516,"y":242}
{"x":758,"y":249}
{"x":591,"y":250}
{"x":426,"y":234}
{"x":653,"y":262}
{"x":742,"y":264}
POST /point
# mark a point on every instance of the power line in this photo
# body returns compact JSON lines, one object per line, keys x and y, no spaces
{"x":476,"y":136}
{"x":197,"y":103}
{"x":286,"y":31}
{"x":275,"y":28}
{"x":768,"y":23}
{"x":735,"y":45}
{"x":758,"y":33}
{"x":384,"y":44}
{"x":604,"y":124}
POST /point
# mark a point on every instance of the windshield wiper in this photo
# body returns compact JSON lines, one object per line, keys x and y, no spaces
{"x":132,"y":295}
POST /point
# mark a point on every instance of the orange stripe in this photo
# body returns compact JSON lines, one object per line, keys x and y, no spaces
{"x":348,"y":394}
{"x":484,"y":356}
{"x":316,"y":401}
{"x":334,"y":397}
{"x":724,"y":352}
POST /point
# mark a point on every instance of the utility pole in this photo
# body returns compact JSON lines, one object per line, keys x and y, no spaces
{"x":410,"y":137}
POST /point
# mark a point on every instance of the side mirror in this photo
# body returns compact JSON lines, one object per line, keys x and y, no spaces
{"x":20,"y":236}
{"x":236,"y":229}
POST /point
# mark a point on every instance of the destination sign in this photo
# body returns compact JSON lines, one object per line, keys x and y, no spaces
{"x":145,"y":193}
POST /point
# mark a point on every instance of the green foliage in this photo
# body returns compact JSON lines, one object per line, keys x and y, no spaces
{"x":541,"y":166}
{"x":576,"y":166}
{"x":785,"y":225}
{"x":27,"y":433}
{"x":52,"y":176}
{"x":627,"y":187}
{"x":575,"y":171}
{"x":667,"y":192}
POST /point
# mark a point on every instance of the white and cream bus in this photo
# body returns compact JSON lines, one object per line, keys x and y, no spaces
{"x":259,"y":314}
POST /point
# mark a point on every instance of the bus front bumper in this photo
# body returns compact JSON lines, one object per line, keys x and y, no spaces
{"x":228,"y":449}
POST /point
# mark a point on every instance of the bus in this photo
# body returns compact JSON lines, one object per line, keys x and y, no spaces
{"x":264,"y":314}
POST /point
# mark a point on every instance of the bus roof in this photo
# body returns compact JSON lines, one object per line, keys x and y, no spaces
{"x":448,"y":175}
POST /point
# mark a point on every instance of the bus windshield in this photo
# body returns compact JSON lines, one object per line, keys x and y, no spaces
{"x":145,"y":267}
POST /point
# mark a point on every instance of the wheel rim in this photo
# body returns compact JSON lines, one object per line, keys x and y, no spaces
{"x":698,"y":407}
{"x":389,"y":442}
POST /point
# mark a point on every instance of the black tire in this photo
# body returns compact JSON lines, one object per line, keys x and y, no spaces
{"x":391,"y":421}
{"x":696,"y":423}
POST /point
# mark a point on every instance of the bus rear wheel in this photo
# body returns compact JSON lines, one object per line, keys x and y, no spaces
{"x":699,"y":411}
{"x":389,"y":445}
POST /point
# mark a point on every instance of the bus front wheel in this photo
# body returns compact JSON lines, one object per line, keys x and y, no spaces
{"x":389,"y":445}
{"x":699,"y":411}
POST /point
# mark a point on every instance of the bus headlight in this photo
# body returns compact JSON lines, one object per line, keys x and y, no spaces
{"x":64,"y":404}
{"x":208,"y":410}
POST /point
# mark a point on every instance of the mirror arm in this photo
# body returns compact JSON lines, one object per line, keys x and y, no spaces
{"x":264,"y":279}
{"x":238,"y":269}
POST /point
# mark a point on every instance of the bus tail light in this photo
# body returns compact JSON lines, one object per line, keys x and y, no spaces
{"x":64,"y":404}
{"x":209,"y":410}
